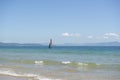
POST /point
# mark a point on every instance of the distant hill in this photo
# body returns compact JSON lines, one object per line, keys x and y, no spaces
{"x":94,"y":44}
{"x":66,"y":44}
{"x":103,"y":44}
{"x":18,"y":44}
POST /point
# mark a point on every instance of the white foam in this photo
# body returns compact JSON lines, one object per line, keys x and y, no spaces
{"x":12,"y":73}
{"x":98,"y":64}
{"x":36,"y":77}
{"x":39,"y":62}
{"x":82,"y":64}
{"x":66,"y":62}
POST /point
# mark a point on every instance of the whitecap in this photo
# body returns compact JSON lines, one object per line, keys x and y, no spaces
{"x":98,"y":64}
{"x":82,"y":64}
{"x":66,"y":62}
{"x":39,"y":62}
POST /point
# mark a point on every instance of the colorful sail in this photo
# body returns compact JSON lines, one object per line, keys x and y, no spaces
{"x":50,"y":44}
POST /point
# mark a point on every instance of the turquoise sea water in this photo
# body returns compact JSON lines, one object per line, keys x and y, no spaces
{"x":61,"y":62}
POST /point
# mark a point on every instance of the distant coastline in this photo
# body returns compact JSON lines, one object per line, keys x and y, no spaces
{"x":115,"y":43}
{"x":65,"y":44}
{"x":20,"y":44}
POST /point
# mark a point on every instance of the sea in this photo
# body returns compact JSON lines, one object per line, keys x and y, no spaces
{"x":60,"y":63}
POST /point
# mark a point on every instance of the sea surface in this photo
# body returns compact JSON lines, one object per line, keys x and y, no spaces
{"x":60,"y":63}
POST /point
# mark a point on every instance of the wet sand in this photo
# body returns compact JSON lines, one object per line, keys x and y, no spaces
{"x":5,"y":77}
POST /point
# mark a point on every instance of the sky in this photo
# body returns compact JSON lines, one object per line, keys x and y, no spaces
{"x":65,"y":21}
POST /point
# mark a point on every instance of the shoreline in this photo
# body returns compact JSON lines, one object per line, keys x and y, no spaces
{"x":7,"y":77}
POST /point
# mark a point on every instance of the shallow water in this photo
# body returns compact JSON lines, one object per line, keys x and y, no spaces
{"x":60,"y":63}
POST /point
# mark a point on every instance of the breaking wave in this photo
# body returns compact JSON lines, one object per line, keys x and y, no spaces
{"x":67,"y":63}
{"x":88,"y":65}
{"x":26,"y":75}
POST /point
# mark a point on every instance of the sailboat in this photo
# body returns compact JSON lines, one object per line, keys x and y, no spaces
{"x":50,"y":44}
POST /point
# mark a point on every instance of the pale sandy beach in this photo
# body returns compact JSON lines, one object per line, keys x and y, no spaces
{"x":5,"y":77}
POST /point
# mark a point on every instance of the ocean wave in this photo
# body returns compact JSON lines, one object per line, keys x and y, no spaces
{"x":82,"y":64}
{"x":50,"y":62}
{"x":67,"y":63}
{"x":75,"y":64}
{"x":39,"y":62}
{"x":26,"y":75}
{"x":54,"y":62}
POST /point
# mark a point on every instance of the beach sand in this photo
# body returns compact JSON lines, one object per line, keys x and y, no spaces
{"x":5,"y":77}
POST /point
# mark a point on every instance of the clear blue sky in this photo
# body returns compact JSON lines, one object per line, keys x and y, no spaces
{"x":65,"y":21}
